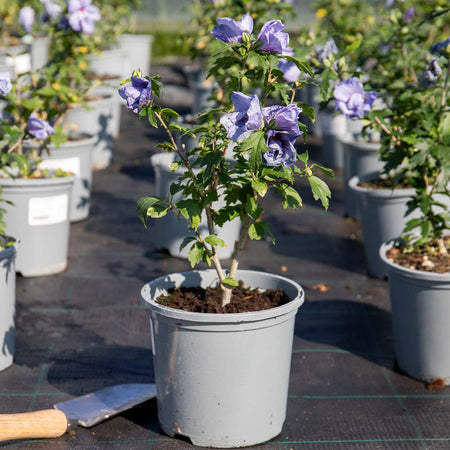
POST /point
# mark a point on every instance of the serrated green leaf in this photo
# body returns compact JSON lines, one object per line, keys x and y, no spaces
{"x":186,"y":241}
{"x":320,"y":190}
{"x":157,"y":211}
{"x":260,"y":187}
{"x":143,"y":204}
{"x":190,"y":210}
{"x":258,"y":230}
{"x":215,"y":241}
{"x":229,"y":281}
{"x":196,"y":253}
{"x":291,"y":198}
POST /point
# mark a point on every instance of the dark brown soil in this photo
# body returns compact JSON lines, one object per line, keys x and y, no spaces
{"x":209,"y":300}
{"x":383,"y":183}
{"x":425,"y":258}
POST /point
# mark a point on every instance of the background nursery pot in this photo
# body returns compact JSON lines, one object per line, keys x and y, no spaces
{"x":359,"y":158}
{"x":7,"y":306}
{"x":222,"y":379}
{"x":382,"y":213}
{"x":420,"y":311}
{"x":170,"y":231}
{"x":39,"y":219}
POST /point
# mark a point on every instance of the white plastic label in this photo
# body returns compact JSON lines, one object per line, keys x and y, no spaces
{"x":48,"y":210}
{"x":67,"y":164}
{"x":22,"y":63}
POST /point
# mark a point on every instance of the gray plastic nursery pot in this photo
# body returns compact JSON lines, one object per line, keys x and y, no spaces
{"x":420,"y":320}
{"x":7,"y":305}
{"x":97,"y":120}
{"x":39,"y":219}
{"x":137,"y":49}
{"x":332,"y":127}
{"x":170,"y":230}
{"x":359,"y":158}
{"x":74,"y":156}
{"x":382,"y":213}
{"x":222,"y":379}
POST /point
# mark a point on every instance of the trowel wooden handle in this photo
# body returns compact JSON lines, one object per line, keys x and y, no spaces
{"x":49,"y":423}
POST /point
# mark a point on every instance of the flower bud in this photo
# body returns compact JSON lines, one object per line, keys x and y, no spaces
{"x":246,"y":38}
{"x":326,"y":63}
{"x":341,"y":63}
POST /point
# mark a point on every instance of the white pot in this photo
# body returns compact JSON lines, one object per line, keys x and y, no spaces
{"x":7,"y":306}
{"x":222,"y":379}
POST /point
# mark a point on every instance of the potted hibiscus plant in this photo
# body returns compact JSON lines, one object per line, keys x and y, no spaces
{"x":418,"y":263}
{"x":222,"y":358}
{"x":381,"y":195}
{"x":38,"y":199}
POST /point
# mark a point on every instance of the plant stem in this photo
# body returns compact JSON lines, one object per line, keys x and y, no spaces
{"x":238,"y":246}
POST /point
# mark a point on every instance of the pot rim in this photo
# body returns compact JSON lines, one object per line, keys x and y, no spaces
{"x":246,"y":317}
{"x":28,"y":182}
{"x":379,"y":192}
{"x":409,"y":273}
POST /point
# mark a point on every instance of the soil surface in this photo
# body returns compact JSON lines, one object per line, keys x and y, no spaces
{"x":383,"y":183}
{"x":196,"y":299}
{"x":425,"y":258}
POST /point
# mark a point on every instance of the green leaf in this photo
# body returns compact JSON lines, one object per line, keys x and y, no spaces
{"x":157,"y":211}
{"x":320,"y":190}
{"x":215,"y":241}
{"x":190,"y":210}
{"x":259,"y":230}
{"x":196,"y":253}
{"x":229,"y":281}
{"x":353,"y":46}
{"x":253,"y":141}
{"x":291,"y":198}
{"x":143,"y":204}
{"x":260,"y":187}
{"x":325,"y":170}
{"x":186,"y":241}
{"x":252,"y":208}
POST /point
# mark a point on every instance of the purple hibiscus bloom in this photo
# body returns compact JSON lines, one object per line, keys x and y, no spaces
{"x":329,"y":48}
{"x":408,"y":15}
{"x":352,"y":100}
{"x":290,"y":70}
{"x":432,"y":71}
{"x":229,"y":30}
{"x":26,"y":18}
{"x":138,"y":94}
{"x":283,"y":118}
{"x":281,"y":148}
{"x":247,"y":118}
{"x":52,"y":9}
{"x":440,"y":46}
{"x":5,"y":83}
{"x":273,"y":39}
{"x":39,"y":128}
{"x":82,"y":15}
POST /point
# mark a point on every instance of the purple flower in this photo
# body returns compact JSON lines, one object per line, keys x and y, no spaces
{"x":283,"y":118}
{"x":229,"y":30}
{"x":247,"y":118}
{"x":82,"y":15}
{"x":290,"y":70}
{"x":408,"y":15}
{"x":273,"y":39}
{"x":352,"y":100}
{"x":440,"y":46}
{"x":39,"y":128}
{"x":432,"y":71}
{"x":52,"y":9}
{"x":281,"y":148}
{"x":329,"y":48}
{"x":138,"y":94}
{"x":26,"y":18}
{"x":5,"y":83}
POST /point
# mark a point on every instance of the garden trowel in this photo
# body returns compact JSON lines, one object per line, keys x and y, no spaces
{"x":86,"y":411}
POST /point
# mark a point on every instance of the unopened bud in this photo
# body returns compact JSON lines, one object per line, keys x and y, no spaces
{"x":327,"y":63}
{"x":246,"y":38}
